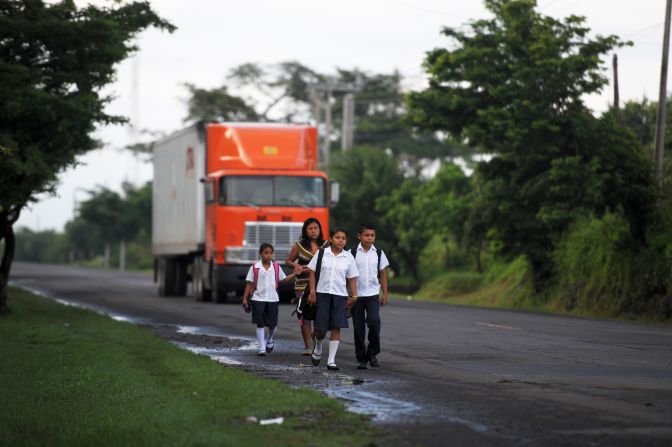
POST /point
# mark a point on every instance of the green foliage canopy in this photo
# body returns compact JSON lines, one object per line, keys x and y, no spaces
{"x":54,"y":61}
{"x":512,"y":86}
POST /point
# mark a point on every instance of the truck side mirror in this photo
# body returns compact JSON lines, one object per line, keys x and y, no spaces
{"x":334,"y":192}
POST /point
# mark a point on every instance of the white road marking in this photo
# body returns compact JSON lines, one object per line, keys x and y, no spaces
{"x":499,"y":326}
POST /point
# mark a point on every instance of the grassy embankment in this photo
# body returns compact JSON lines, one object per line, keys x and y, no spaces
{"x":599,"y":272}
{"x":72,"y":377}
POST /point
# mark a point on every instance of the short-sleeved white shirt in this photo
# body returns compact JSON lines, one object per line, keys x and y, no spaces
{"x":265,"y":290}
{"x":367,"y":264}
{"x":334,"y":271}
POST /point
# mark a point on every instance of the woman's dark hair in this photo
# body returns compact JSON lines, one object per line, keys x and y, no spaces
{"x":337,"y":230}
{"x":264,"y":246}
{"x":305,"y":241}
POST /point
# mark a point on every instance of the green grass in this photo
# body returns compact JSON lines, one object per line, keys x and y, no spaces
{"x":72,"y":377}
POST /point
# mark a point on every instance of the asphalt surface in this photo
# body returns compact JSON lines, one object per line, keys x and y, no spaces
{"x":449,"y":375}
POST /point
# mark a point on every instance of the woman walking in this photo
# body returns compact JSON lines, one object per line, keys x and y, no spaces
{"x":312,"y":239}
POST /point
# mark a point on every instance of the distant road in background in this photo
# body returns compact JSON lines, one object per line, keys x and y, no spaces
{"x":461,"y":376}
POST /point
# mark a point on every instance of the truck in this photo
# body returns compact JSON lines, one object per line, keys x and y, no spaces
{"x":220,"y":190}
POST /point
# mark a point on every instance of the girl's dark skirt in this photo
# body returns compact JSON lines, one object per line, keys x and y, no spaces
{"x":264,"y":313}
{"x":331,"y":312}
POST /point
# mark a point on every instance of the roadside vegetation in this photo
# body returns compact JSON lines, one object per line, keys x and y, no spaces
{"x":495,"y":185}
{"x":72,"y":377}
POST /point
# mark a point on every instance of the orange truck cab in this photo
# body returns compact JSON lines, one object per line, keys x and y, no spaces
{"x":220,"y":190}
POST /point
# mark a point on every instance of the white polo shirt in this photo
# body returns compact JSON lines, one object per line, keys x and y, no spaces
{"x":265,"y":290}
{"x":334,"y":271}
{"x":367,"y":264}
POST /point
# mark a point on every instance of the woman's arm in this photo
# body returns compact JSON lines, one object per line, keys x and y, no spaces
{"x":293,"y":254}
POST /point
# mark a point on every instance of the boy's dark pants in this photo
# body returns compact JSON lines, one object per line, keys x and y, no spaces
{"x":366,"y":312}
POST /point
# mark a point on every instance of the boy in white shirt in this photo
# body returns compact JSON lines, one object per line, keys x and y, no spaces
{"x":371,"y":264}
{"x":263,"y":279}
{"x":329,"y":293}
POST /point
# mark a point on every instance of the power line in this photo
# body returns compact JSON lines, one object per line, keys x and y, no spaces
{"x":644,"y":30}
{"x":421,"y":8}
{"x":551,"y":3}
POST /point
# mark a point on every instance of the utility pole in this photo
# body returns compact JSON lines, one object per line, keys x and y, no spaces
{"x":322,"y":96}
{"x":662,"y":99}
{"x":617,"y":107}
{"x":348,"y":128}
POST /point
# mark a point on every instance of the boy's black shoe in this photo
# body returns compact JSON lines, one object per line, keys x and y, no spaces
{"x":333,"y":367}
{"x":361,"y":365}
{"x":374,"y":361}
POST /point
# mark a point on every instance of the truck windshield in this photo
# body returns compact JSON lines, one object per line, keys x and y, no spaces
{"x":254,"y":190}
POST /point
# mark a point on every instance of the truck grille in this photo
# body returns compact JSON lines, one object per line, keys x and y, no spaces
{"x":282,"y":235}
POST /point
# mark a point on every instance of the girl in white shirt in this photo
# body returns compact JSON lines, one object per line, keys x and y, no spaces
{"x":337,"y":268}
{"x":263,"y":280}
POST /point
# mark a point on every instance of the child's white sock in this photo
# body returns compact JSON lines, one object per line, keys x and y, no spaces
{"x":318,"y":347}
{"x":260,"y":339}
{"x":271,"y":334}
{"x":333,"y":347}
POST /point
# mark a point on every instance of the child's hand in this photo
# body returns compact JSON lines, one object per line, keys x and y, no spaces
{"x":305,"y":268}
{"x":298,"y":269}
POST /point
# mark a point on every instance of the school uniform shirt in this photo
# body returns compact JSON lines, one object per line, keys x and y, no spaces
{"x":334,"y":271}
{"x":367,"y":264}
{"x":265,"y":290}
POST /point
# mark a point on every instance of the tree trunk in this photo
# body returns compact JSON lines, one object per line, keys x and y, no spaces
{"x":7,"y":220}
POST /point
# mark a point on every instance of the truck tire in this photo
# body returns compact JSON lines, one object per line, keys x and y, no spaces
{"x":218,"y":295}
{"x":166,"y":276}
{"x":198,"y":290}
{"x":180,"y":272}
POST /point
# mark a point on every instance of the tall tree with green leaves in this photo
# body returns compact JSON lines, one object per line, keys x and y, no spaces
{"x":512,"y":86}
{"x":55,"y":59}
{"x":366,"y":174}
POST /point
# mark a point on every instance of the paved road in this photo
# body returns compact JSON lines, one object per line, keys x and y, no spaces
{"x":450,"y":375}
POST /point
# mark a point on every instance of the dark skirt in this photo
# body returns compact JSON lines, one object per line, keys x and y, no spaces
{"x":331,"y":312}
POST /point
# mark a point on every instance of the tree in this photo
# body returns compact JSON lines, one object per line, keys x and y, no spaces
{"x":367,"y":174}
{"x":379,"y":118}
{"x":512,"y":86}
{"x":417,"y":210}
{"x":55,"y":59}
{"x":277,"y":92}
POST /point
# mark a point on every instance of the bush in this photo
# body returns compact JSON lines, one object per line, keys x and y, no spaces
{"x":601,"y":270}
{"x":451,"y":283}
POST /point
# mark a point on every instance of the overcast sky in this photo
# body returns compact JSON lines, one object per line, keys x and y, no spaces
{"x":376,"y":36}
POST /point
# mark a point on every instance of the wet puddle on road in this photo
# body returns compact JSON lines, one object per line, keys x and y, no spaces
{"x":237,"y":351}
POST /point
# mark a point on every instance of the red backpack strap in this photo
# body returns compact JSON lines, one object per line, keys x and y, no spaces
{"x":255,"y":272}
{"x":276,"y":267}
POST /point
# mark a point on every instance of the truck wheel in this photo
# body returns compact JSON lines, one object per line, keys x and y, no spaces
{"x":166,"y":276}
{"x":199,"y":292}
{"x":218,"y":295}
{"x":180,"y":269}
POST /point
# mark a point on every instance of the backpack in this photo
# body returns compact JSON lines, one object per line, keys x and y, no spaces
{"x":255,"y":272}
{"x":302,"y":308}
{"x":379,"y":252}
